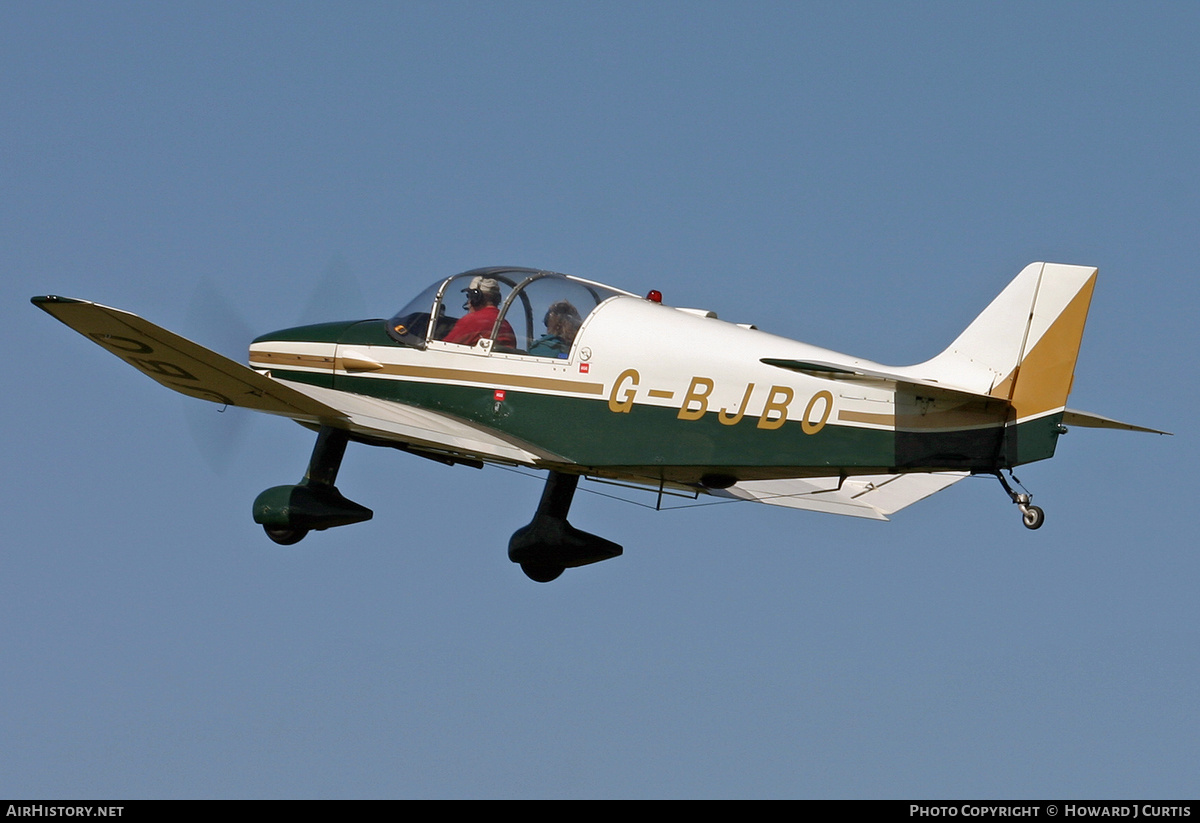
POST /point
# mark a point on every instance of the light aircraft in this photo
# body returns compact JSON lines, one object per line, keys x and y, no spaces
{"x":531,"y":368}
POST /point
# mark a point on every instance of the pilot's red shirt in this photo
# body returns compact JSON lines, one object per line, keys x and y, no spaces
{"x":475,"y":325}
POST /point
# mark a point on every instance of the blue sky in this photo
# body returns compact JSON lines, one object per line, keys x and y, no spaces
{"x":862,"y":176}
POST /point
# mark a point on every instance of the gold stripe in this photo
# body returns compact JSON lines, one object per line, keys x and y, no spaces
{"x":495,"y":379}
{"x":661,"y":393}
{"x":357,"y":364}
{"x":289,"y":359}
{"x":867,"y":417}
{"x":465,"y":375}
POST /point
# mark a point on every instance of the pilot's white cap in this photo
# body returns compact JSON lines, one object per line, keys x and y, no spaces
{"x":486,"y":285}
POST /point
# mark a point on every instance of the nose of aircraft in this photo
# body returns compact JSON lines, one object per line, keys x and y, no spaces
{"x":309,"y":353}
{"x":313,"y":333}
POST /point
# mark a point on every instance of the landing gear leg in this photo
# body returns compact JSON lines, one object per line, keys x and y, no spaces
{"x":288,"y":513}
{"x":1032,"y":516}
{"x":549,"y":544}
{"x":326,"y":457}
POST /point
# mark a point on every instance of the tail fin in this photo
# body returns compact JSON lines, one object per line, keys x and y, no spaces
{"x":1023,"y":347}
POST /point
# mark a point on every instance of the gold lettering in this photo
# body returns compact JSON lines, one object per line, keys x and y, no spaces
{"x":785,"y":395}
{"x":813,"y":428}
{"x":625,"y":403}
{"x":694,"y":394}
{"x":728,"y":419}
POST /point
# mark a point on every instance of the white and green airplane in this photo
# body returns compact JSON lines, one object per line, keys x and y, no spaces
{"x":522,"y":367}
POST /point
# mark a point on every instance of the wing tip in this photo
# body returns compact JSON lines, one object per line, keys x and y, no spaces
{"x":44,"y":300}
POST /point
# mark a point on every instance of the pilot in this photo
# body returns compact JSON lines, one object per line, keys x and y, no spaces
{"x":562,"y":324}
{"x":483,"y":302}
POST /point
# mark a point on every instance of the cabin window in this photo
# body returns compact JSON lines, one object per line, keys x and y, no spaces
{"x":546,"y":311}
{"x":524,"y":311}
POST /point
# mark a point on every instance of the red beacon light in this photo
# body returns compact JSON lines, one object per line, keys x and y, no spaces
{"x":654,"y":296}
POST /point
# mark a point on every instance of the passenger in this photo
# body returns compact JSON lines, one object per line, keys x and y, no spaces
{"x":483,"y":302}
{"x":562,"y":324}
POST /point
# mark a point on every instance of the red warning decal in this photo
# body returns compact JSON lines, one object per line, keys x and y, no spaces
{"x":498,"y":394}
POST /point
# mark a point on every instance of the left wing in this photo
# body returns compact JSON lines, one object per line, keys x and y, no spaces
{"x":182,"y":365}
{"x":871,"y":496}
{"x":191,"y":369}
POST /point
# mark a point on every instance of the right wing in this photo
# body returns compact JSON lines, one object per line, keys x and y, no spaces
{"x":182,"y":365}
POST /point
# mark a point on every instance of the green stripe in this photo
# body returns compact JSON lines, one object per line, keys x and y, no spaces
{"x":345,"y":331}
{"x":587,"y":432}
{"x":324,"y":379}
{"x":1032,"y":440}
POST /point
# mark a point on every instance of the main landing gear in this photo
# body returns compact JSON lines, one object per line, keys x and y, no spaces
{"x":1032,"y":516}
{"x":549,"y":544}
{"x":288,"y":513}
{"x":544,"y":549}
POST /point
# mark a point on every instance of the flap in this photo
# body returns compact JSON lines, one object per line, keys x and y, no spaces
{"x":870,"y":496}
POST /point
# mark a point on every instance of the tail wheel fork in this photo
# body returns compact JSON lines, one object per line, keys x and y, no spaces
{"x":1032,"y":516}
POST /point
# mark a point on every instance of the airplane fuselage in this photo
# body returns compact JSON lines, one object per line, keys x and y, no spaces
{"x":686,"y":397}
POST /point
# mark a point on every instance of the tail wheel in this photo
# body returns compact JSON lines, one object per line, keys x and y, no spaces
{"x":1033,"y":517}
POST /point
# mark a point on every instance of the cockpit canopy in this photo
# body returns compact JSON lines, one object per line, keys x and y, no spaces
{"x":522,"y":311}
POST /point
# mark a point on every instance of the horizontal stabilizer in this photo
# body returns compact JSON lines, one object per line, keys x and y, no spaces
{"x":1071,"y":417}
{"x":815,"y":367}
{"x":882,"y":379}
{"x":869,"y":496}
{"x":182,"y":365}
